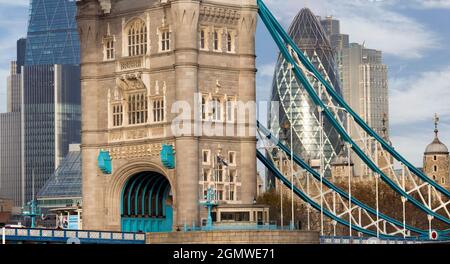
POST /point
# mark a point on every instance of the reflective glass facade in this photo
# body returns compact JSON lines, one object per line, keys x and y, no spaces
{"x":51,"y":90}
{"x":10,"y":157}
{"x":66,"y":181}
{"x":303,"y":116}
{"x":52,"y":119}
{"x":52,"y":36}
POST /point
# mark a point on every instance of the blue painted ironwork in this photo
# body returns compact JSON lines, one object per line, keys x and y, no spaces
{"x":278,"y":34}
{"x":210,"y":203}
{"x":330,"y":185}
{"x":168,"y":156}
{"x":149,"y":183}
{"x":150,"y":197}
{"x":138,"y":195}
{"x":157,"y":200}
{"x":104,"y":162}
{"x":32,"y":210}
{"x":305,"y":61}
{"x":62,"y":236}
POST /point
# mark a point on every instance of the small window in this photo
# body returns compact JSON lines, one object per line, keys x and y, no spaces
{"x":435,"y":157}
{"x":204,"y":108}
{"x":109,"y":49}
{"x":232,"y":158}
{"x":203,"y":39}
{"x":216,"y":109}
{"x":219,"y":173}
{"x":220,"y":195}
{"x":230,"y":42}
{"x":443,"y":180}
{"x":206,"y":156}
{"x":435,"y":168}
{"x":158,"y":110}
{"x":216,"y":40}
{"x":206,"y":174}
{"x":230,"y":109}
{"x":165,"y":40}
{"x":117,"y":115}
{"x":233,"y":176}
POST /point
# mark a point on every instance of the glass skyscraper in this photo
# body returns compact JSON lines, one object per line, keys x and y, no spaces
{"x":11,"y":184}
{"x":51,"y":113}
{"x":303,"y":116}
{"x":52,"y":36}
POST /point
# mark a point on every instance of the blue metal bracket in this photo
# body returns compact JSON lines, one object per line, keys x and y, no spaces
{"x":168,"y":156}
{"x":104,"y":162}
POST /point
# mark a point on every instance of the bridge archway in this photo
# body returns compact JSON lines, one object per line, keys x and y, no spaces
{"x":147,"y":203}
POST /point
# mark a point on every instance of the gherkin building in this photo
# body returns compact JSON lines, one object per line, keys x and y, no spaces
{"x":295,"y":108}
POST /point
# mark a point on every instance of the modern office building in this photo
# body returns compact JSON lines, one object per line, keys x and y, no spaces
{"x":60,"y":199}
{"x":364,"y":85}
{"x":10,"y":134}
{"x":10,"y":157}
{"x":14,"y":81}
{"x":21,"y":51}
{"x":311,"y":38}
{"x":52,"y":36}
{"x":50,"y":91}
{"x":63,"y":189}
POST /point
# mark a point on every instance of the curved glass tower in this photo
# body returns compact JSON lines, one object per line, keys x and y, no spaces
{"x":303,"y":116}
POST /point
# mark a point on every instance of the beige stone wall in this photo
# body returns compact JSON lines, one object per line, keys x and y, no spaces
{"x":236,"y":237}
{"x":176,"y":75}
{"x":439,"y":162}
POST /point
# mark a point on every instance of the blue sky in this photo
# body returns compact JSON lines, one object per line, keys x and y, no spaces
{"x":413,"y":34}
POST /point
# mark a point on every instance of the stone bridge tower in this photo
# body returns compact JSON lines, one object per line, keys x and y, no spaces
{"x":144,"y":64}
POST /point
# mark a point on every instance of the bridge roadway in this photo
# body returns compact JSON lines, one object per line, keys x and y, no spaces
{"x":52,"y":236}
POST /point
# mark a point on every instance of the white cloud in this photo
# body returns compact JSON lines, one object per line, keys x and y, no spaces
{"x":416,"y":98}
{"x":445,"y":4}
{"x":411,"y":143}
{"x":266,"y":70}
{"x":377,"y":23}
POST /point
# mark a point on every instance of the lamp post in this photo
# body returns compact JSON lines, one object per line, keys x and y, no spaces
{"x":210,"y":203}
{"x":32,"y":211}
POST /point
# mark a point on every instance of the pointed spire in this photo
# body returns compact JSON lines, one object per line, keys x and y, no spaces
{"x":436,"y":123}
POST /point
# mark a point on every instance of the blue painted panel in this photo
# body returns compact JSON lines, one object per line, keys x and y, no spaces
{"x":104,"y":162}
{"x":149,"y":225}
{"x":167,"y":156}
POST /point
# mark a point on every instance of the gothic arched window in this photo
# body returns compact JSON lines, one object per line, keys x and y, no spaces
{"x":137,"y":38}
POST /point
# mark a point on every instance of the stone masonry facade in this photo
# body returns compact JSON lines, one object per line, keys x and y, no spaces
{"x":140,"y":57}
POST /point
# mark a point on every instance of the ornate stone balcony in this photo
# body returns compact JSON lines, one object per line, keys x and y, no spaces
{"x":132,"y":63}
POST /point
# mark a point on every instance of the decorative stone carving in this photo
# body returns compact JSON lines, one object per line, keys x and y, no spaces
{"x":219,"y":15}
{"x":130,"y":82}
{"x":105,"y":5}
{"x":137,"y":151}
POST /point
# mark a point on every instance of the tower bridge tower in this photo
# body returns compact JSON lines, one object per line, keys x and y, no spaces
{"x":145,"y":63}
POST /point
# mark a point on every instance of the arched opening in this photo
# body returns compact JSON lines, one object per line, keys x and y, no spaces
{"x":147,"y":203}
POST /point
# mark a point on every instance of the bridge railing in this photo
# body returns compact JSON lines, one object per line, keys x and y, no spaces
{"x":268,"y":227}
{"x":27,"y":234}
{"x":368,"y":240}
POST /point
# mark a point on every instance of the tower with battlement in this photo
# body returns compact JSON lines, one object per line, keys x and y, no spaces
{"x":161,"y":75}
